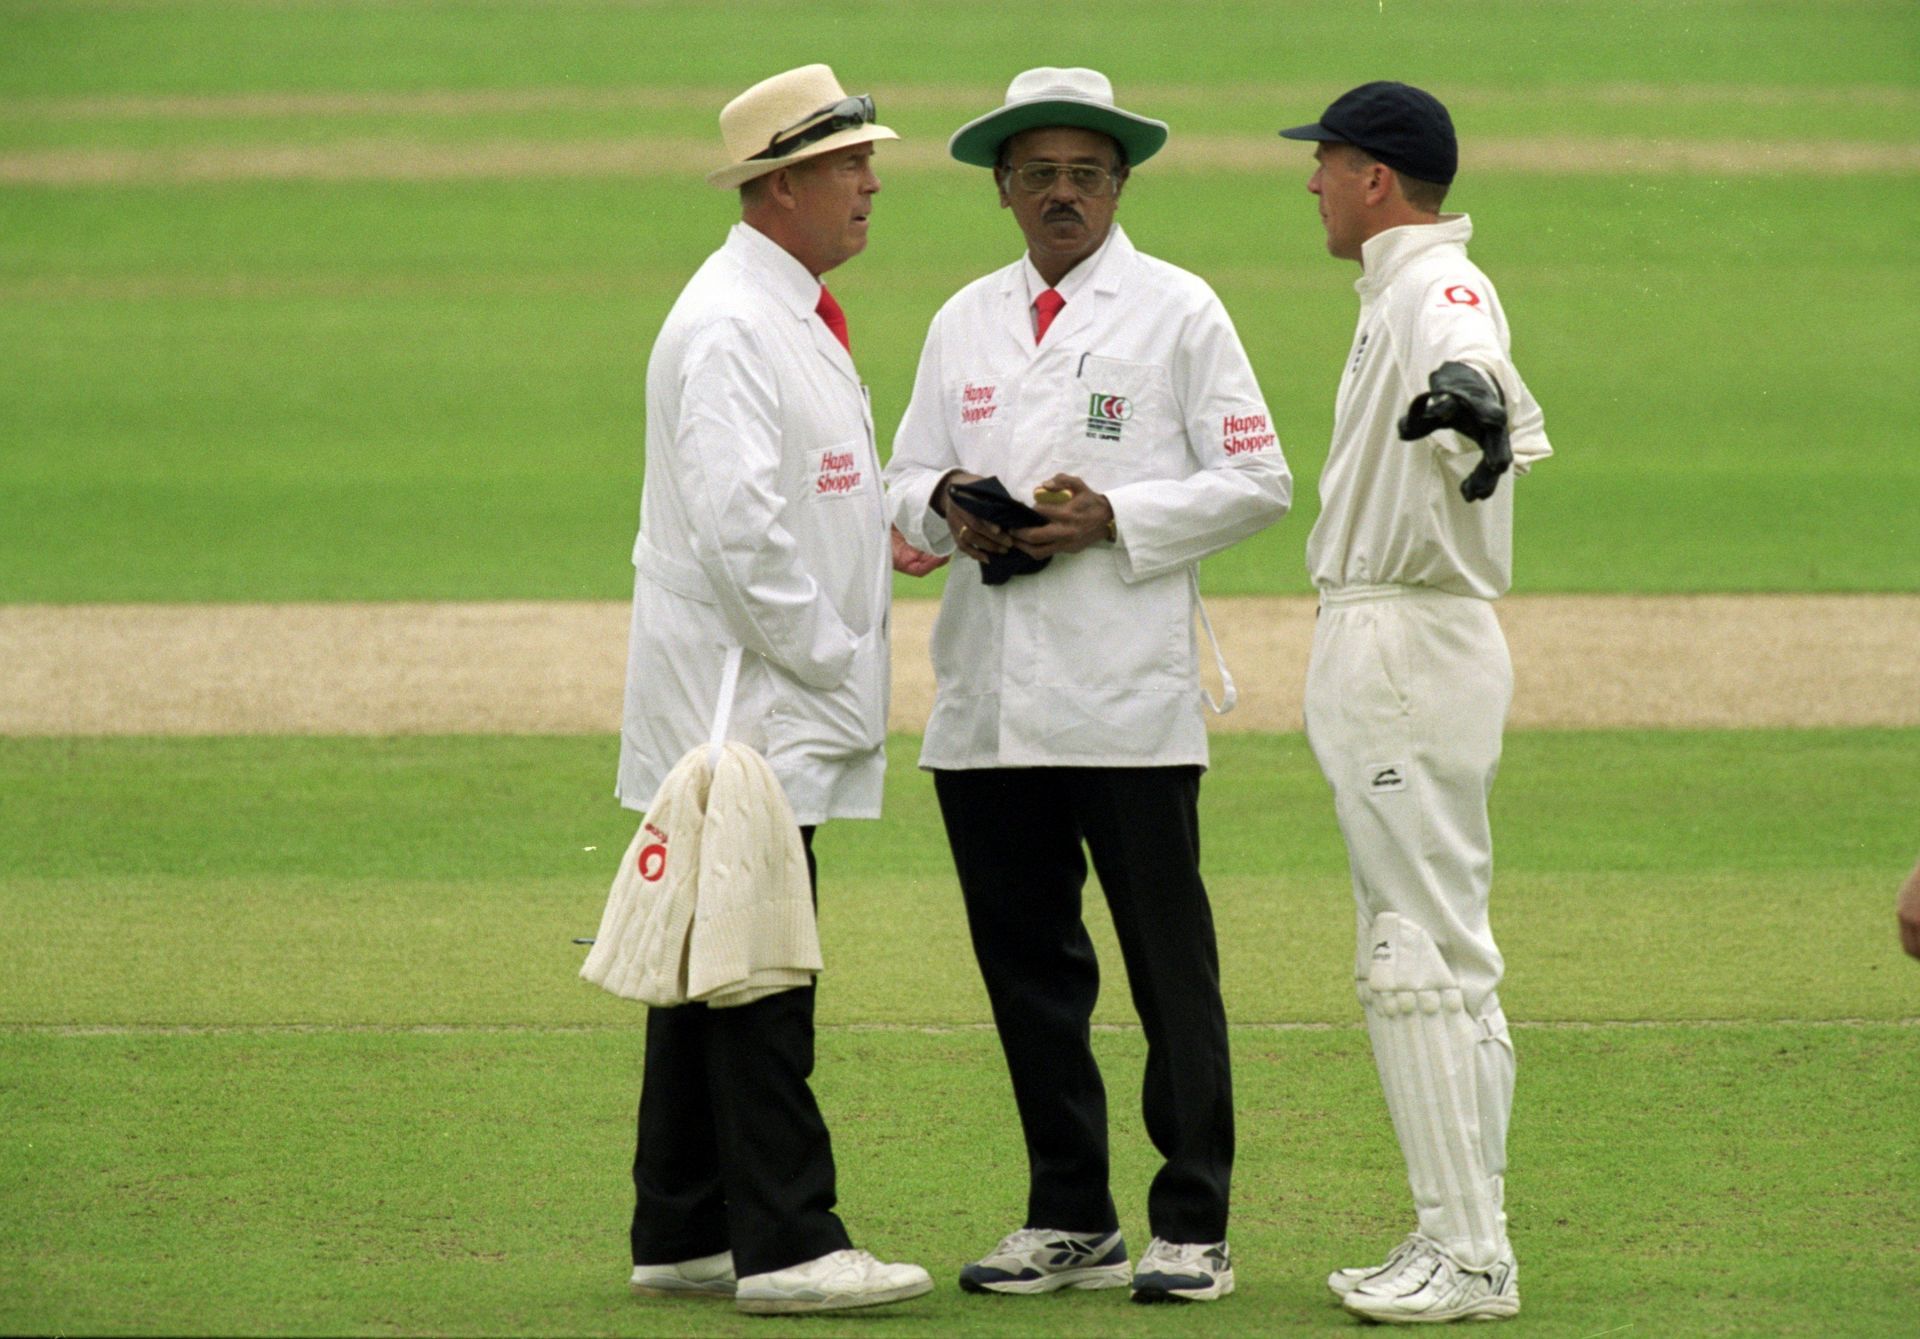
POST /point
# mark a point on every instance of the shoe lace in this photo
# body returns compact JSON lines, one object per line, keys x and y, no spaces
{"x":851,"y":1259}
{"x":1414,"y":1244}
{"x":1024,"y":1240}
{"x":1179,"y":1252}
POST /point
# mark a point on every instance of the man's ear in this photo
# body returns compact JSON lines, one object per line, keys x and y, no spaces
{"x":780,"y":188}
{"x":1380,"y":183}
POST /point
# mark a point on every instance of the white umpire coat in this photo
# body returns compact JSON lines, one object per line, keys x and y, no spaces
{"x":1391,"y":513}
{"x":762,"y":525}
{"x":1142,"y":389}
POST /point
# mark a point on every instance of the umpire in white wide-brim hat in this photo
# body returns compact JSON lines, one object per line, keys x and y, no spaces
{"x":1109,"y":390}
{"x":1057,"y":97}
{"x":762,"y":535}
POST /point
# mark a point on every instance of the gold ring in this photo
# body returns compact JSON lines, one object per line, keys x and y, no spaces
{"x":964,"y":532}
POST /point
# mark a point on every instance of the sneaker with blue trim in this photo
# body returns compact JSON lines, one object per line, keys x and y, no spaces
{"x":1170,"y":1271}
{"x":1042,"y":1260}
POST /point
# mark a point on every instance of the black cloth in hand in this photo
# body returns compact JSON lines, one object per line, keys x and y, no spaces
{"x":1458,"y":397}
{"x":989,"y":499}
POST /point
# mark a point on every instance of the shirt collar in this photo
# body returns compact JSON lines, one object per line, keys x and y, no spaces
{"x":1385,"y":254}
{"x":1088,"y":273}
{"x":784,"y":276}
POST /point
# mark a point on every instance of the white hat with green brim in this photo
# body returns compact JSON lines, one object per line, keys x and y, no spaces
{"x":1048,"y":97}
{"x":791,"y":117}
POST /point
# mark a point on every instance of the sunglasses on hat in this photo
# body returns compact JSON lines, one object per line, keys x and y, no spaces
{"x":816,"y":126}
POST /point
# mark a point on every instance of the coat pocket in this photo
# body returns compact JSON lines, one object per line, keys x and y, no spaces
{"x":1087,"y":628}
{"x":839,"y":722}
{"x":1119,"y":419}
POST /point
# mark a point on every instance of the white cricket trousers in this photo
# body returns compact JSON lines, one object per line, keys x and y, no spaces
{"x":1407,"y":695}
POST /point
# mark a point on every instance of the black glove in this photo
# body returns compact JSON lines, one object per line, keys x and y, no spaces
{"x":989,"y":500}
{"x":1460,"y":398}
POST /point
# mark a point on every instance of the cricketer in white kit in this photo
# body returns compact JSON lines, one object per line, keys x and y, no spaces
{"x":1409,"y":681}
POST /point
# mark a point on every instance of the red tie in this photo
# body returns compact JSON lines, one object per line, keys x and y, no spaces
{"x":829,"y":311}
{"x":1046,"y":307}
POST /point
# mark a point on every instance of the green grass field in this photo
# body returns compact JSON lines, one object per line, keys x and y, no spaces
{"x":296,"y":1044}
{"x":291,"y":1040}
{"x":285,"y":389}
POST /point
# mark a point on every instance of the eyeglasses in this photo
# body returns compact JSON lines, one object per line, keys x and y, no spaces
{"x":1037,"y":176}
{"x":815,"y":126}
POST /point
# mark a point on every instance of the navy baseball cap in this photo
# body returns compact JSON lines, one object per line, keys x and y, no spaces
{"x":1405,"y":127}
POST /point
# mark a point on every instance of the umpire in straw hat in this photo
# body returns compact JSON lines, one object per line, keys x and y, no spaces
{"x":1108,"y":389}
{"x":761,"y":528}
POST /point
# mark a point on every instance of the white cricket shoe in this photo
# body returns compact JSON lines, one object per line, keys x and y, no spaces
{"x":709,"y":1276}
{"x":1434,"y":1288}
{"x":1344,"y":1281}
{"x":1200,"y":1271}
{"x":838,"y":1281}
{"x":1043,"y":1260}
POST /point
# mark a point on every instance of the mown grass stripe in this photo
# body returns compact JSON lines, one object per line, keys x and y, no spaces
{"x":918,"y":1029}
{"x":956,"y":97}
{"x":410,"y":159}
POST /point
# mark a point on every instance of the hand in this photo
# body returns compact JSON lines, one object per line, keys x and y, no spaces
{"x":976,"y":539}
{"x":1078,"y":523}
{"x":911,"y":561}
{"x":1462,"y":399}
{"x":1496,"y":458}
{"x":1908,"y":910}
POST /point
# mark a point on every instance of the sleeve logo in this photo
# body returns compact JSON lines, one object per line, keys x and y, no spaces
{"x":1462,"y":296}
{"x":1244,"y":433}
{"x":1106,"y":414}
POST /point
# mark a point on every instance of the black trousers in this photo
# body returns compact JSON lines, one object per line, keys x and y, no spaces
{"x":1016,"y":836}
{"x":733,"y":1153}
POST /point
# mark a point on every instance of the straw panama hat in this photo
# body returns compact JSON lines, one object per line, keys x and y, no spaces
{"x":1056,"y":97}
{"x":751,"y":122}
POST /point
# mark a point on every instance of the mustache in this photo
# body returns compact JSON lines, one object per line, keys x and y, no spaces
{"x":1062,"y":212}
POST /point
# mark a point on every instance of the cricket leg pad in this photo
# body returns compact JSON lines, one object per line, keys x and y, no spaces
{"x":1425,"y":1046}
{"x":1493,"y":1076}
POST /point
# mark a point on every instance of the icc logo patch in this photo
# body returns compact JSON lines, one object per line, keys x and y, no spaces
{"x":1106,"y":414}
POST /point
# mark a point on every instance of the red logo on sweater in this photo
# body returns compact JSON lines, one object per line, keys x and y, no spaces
{"x":1462,"y":296}
{"x":653,"y":857}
